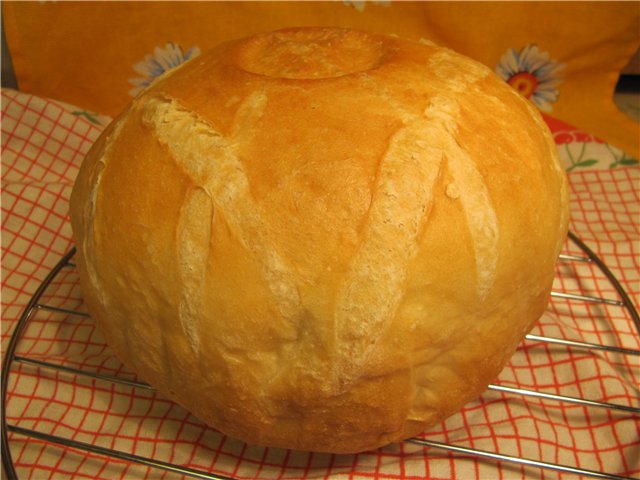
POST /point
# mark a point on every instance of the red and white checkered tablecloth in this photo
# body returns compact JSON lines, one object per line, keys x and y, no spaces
{"x":43,"y":143}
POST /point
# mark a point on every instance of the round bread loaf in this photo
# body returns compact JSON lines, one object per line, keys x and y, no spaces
{"x":321,"y":239}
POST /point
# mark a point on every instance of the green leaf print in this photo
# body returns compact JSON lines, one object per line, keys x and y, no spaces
{"x":88,"y":115}
{"x":587,"y":163}
{"x":621,"y":159}
{"x":578,"y":161}
{"x":628,"y":161}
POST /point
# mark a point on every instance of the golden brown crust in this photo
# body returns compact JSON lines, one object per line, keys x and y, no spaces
{"x":321,"y":239}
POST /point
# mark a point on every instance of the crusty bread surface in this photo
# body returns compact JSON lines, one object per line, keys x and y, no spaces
{"x":321,"y":239}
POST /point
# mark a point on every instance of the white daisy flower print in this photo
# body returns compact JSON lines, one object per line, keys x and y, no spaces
{"x":162,"y":60}
{"x":533,"y":74}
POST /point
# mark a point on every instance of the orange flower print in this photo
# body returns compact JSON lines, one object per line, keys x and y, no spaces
{"x":532,"y":74}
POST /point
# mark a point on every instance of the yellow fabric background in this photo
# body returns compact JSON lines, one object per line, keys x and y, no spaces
{"x":83,"y":52}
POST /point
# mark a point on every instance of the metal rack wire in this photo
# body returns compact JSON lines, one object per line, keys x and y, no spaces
{"x":35,"y":305}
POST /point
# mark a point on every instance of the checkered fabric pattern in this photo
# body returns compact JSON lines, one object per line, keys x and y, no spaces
{"x":43,"y":143}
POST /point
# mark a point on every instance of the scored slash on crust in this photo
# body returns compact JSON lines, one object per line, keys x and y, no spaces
{"x":208,"y":158}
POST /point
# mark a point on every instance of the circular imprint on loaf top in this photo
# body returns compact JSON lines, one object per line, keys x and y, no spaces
{"x":310,"y":53}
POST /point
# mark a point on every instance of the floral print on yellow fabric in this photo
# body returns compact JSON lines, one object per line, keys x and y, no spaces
{"x":533,"y":74}
{"x":163,"y":59}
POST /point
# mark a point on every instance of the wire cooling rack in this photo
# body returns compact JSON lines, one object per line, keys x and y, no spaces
{"x":39,"y":303}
